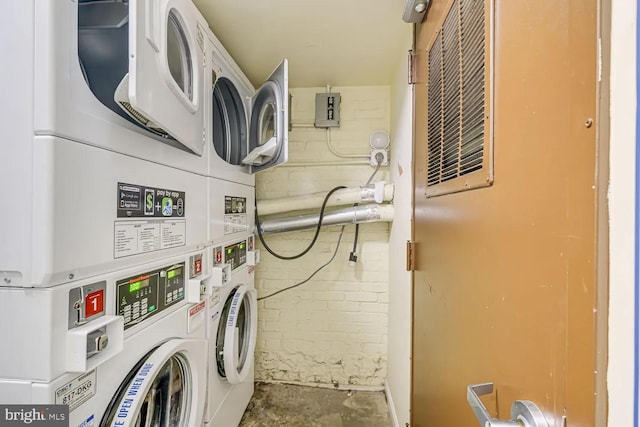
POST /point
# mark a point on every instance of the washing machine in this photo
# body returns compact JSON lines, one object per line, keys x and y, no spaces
{"x":232,"y":320}
{"x":246,"y":129}
{"x":126,"y":348}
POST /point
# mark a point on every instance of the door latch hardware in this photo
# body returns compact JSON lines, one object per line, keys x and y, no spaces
{"x":524,"y":413}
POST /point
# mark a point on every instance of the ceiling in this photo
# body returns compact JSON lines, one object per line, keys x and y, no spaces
{"x":327,"y":42}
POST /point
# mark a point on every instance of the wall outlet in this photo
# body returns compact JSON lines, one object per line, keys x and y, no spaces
{"x":373,"y":160}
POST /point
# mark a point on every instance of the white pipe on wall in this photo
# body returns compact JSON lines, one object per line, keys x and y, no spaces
{"x":342,"y":155}
{"x":360,"y":162}
{"x":352,"y":215}
{"x":379,"y":192}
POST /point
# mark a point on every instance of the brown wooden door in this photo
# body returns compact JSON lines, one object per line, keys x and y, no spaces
{"x":505,"y":280}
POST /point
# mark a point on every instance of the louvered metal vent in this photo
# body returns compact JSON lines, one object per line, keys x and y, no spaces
{"x":456,"y":97}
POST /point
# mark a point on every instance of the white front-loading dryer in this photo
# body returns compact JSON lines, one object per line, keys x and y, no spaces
{"x":232,"y":319}
{"x":125,"y":348}
{"x":125,"y":76}
{"x":246,"y":130}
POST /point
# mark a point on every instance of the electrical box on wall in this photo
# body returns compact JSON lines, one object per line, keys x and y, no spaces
{"x":327,"y":110}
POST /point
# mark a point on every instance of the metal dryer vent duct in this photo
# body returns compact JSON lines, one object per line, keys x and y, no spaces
{"x":352,"y":215}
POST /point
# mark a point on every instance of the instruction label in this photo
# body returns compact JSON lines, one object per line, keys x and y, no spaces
{"x":235,"y":214}
{"x":138,"y":237}
{"x":135,"y":201}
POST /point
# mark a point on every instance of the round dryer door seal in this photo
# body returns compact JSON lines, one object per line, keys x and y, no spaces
{"x":241,"y":326}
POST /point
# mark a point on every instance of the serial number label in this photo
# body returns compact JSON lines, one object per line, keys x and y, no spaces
{"x":77,"y":391}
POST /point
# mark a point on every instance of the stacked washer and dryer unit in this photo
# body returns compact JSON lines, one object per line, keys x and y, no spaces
{"x":247,"y":132}
{"x":130,"y":147}
{"x":109,"y":152}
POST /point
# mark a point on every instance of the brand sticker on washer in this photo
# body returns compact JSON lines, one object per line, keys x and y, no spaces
{"x":77,"y":391}
{"x":136,"y":201}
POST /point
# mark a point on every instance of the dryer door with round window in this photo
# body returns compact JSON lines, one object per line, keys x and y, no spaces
{"x":269,"y":122}
{"x":236,"y":336}
{"x":164,"y":86}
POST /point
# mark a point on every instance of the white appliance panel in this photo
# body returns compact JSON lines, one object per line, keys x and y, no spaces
{"x":225,"y":222}
{"x":73,"y":228}
{"x":16,"y":118}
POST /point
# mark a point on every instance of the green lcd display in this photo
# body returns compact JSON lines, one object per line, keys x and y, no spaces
{"x":136,"y":286}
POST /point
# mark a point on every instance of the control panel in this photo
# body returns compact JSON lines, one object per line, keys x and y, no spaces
{"x":236,"y":255}
{"x":144,"y":295}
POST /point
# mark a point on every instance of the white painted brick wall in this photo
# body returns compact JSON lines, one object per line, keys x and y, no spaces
{"x":333,"y":329}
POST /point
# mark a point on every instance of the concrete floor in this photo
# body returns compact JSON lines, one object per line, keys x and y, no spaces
{"x":292,"y":405}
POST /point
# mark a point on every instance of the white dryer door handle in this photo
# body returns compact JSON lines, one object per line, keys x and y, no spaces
{"x":232,"y":336}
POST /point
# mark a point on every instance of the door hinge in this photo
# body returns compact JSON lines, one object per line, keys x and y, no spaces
{"x":411,"y":255}
{"x":411,"y":67}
